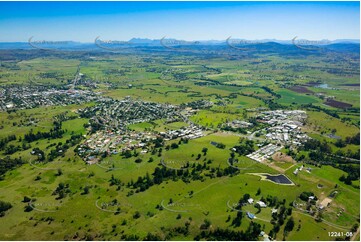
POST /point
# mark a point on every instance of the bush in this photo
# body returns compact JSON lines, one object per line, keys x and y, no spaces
{"x":4,"y":206}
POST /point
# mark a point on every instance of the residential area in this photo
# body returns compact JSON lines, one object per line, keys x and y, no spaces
{"x":27,"y":97}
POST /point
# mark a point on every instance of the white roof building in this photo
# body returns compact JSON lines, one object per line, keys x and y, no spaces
{"x":262,"y":204}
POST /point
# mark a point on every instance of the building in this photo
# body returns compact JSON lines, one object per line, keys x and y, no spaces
{"x":250,"y":215}
{"x":262,"y":204}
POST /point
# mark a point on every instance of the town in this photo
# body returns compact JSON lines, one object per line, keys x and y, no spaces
{"x":26,"y":97}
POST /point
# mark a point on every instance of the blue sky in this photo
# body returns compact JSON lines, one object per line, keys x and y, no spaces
{"x":84,"y":21}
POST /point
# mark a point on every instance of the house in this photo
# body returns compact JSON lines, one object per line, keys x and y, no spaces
{"x":262,"y":204}
{"x":250,"y":215}
{"x":274,"y":210}
{"x":250,"y":201}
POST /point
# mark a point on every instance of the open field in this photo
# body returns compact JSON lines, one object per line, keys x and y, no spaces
{"x":140,"y":180}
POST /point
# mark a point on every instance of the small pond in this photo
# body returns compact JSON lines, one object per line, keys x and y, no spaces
{"x":280,"y":179}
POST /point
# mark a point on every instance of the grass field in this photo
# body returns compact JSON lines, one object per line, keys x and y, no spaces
{"x":290,"y":97}
{"x":238,"y":83}
{"x":320,"y":122}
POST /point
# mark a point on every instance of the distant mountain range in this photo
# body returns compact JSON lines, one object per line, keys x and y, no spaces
{"x":165,"y":42}
{"x":243,"y":41}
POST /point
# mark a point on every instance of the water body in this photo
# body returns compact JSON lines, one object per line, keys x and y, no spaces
{"x":280,"y":179}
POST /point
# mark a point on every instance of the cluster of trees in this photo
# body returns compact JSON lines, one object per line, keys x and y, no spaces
{"x":220,"y":145}
{"x":115,"y":182}
{"x":7,"y":164}
{"x":348,"y":154}
{"x":52,"y":134}
{"x":270,"y":91}
{"x":158,"y":142}
{"x":320,"y":152}
{"x":27,"y":207}
{"x":238,"y":130}
{"x":237,"y":221}
{"x":11,"y":149}
{"x":304,"y":196}
{"x":6,"y":140}
{"x":320,"y":109}
{"x":61,"y":148}
{"x":193,"y":172}
{"x":62,"y":190}
{"x":278,"y":219}
{"x":289,"y":226}
{"x":157,"y":147}
{"x":346,"y":179}
{"x":198,"y":104}
{"x":273,"y":201}
{"x":245,"y":147}
{"x":252,"y":233}
{"x":152,"y":237}
{"x":172,"y":146}
{"x":4,"y":206}
{"x":39,"y":153}
{"x":355,"y":140}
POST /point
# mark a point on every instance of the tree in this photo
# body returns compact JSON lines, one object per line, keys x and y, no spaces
{"x":354,"y":228}
{"x":127,"y":154}
{"x":4,"y":206}
{"x":206,"y":224}
{"x":258,"y":192}
{"x":60,"y":172}
{"x":28,"y":208}
{"x":220,"y":145}
{"x":174,"y":146}
{"x":289,"y":211}
{"x":85,"y":190}
{"x":245,"y":198}
{"x":258,"y":208}
{"x":289,"y":225}
{"x":136,"y":215}
{"x":204,"y":150}
{"x":26,"y":199}
{"x":237,"y":221}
